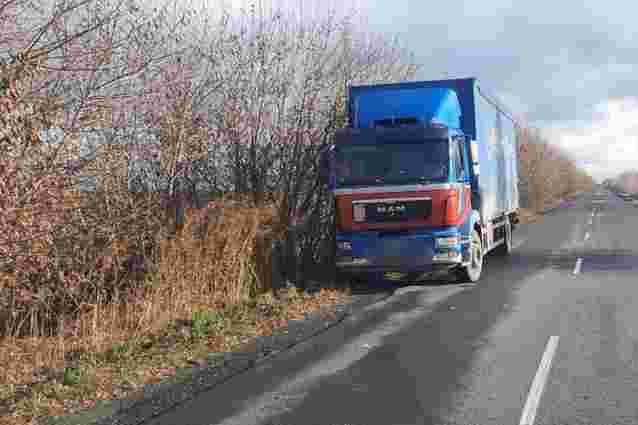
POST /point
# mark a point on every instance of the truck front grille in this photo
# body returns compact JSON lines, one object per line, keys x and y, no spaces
{"x":393,"y":211}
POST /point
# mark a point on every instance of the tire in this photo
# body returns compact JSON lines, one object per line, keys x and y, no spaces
{"x":505,"y":249}
{"x":472,"y":272}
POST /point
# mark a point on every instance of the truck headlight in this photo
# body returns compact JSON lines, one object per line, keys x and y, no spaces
{"x":344,"y":245}
{"x":359,"y":212}
{"x":448,"y":242}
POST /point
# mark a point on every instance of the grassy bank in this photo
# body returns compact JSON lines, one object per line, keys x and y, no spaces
{"x":528,"y":215}
{"x":209,"y":294}
{"x":45,"y":377}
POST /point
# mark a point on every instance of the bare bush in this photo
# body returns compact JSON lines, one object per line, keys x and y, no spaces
{"x":61,"y":61}
{"x":547,"y":172}
{"x":281,"y":99}
{"x":144,"y":115}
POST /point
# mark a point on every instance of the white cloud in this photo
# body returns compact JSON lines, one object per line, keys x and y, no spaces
{"x":608,"y":144}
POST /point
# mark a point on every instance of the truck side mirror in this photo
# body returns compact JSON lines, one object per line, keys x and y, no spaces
{"x":474,"y":157}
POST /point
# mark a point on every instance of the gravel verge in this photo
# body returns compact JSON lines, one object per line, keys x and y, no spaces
{"x":220,"y":367}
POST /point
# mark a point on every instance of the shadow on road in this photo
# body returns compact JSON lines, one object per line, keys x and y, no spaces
{"x":414,"y":374}
{"x":409,"y":379}
{"x":375,"y":287}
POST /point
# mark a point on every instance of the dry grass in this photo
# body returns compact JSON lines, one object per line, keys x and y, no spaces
{"x":528,"y":215}
{"x":54,"y":376}
{"x":230,"y":258}
{"x":210,"y":294}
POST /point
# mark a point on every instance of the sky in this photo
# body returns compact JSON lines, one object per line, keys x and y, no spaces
{"x":570,"y":67}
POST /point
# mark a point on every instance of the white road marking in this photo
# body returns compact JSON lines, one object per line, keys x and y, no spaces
{"x":538,"y":384}
{"x":587,"y":235}
{"x":579,"y":264}
{"x":271,"y":402}
{"x":590,"y":222}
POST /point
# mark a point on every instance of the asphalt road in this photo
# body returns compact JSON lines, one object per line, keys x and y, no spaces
{"x":548,"y":336}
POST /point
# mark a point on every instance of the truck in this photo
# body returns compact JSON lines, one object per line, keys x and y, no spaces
{"x":424,"y":181}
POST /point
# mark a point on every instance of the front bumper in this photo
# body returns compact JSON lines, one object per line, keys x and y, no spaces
{"x":437,"y":261}
{"x":400,"y":256}
{"x":414,"y":273}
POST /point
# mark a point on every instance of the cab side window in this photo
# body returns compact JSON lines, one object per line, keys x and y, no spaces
{"x":463,"y":155}
{"x":458,"y":159}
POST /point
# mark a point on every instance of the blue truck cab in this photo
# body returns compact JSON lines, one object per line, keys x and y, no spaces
{"x":424,"y":181}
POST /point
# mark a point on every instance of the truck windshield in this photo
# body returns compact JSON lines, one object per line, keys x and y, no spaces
{"x":396,"y":163}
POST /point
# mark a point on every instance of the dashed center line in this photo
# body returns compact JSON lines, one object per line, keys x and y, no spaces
{"x":587,"y":235}
{"x":578,"y":266}
{"x":538,"y":384}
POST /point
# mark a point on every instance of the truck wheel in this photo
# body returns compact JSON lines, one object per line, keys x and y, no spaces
{"x":505,"y":249}
{"x":472,"y":272}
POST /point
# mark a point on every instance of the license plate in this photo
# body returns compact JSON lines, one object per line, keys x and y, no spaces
{"x":394,"y":275}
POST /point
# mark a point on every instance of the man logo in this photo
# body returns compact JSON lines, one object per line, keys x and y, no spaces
{"x":390,"y":209}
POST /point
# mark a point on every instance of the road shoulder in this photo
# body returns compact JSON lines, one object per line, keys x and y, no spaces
{"x":188,"y":382}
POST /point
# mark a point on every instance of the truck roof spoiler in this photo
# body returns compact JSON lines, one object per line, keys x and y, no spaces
{"x":406,"y":134}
